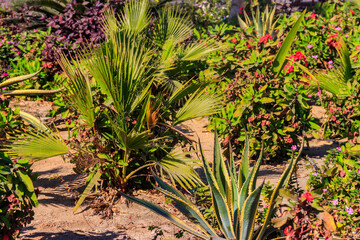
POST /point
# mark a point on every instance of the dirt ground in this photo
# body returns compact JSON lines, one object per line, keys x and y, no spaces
{"x":59,"y":186}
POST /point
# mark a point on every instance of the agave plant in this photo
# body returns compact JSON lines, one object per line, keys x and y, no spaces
{"x":10,"y":81}
{"x":235,"y":198}
{"x":263,"y":23}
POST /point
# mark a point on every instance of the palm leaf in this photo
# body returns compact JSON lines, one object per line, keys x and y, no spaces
{"x":36,"y":145}
{"x":180,"y":169}
{"x":135,"y":16}
{"x":198,"y":105}
{"x":94,"y":179}
{"x":79,"y":89}
{"x":197,"y":51}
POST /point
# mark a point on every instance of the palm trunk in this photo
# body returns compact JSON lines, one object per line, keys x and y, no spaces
{"x":235,"y":7}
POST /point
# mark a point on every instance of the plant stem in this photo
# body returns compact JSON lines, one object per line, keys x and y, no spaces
{"x":136,"y":170}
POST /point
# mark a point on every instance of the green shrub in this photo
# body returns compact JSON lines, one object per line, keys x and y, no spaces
{"x":17,"y":196}
{"x":337,"y":187}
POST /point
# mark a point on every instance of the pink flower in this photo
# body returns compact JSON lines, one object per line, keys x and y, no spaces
{"x":338,"y":28}
{"x":338,"y":148}
{"x":337,"y":122}
{"x":289,"y":140}
{"x":315,"y":174}
{"x":342,"y":173}
{"x":4,"y":88}
{"x":324,"y":190}
{"x":359,"y":171}
{"x":333,"y":118}
{"x":310,"y":46}
{"x":293,"y":147}
{"x":335,"y":202}
{"x":310,"y":95}
{"x":35,"y":30}
{"x":315,"y":57}
{"x":349,"y":211}
{"x":318,"y":93}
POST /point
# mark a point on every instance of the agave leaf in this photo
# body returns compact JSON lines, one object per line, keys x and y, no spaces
{"x":33,"y":121}
{"x":175,"y":220}
{"x":245,"y":166}
{"x":30,"y":92}
{"x":248,"y":214}
{"x":87,"y":190}
{"x":184,"y":205}
{"x":221,"y":209}
{"x":284,"y":179}
{"x":18,"y":79}
{"x":285,"y":46}
{"x":221,"y":174}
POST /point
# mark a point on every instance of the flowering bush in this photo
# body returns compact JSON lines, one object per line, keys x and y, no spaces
{"x":337,"y":184}
{"x":273,"y":108}
{"x":17,"y":196}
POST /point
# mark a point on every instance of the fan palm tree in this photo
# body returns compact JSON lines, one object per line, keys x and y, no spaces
{"x":134,"y":71}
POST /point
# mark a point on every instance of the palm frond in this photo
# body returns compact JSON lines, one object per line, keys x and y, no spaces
{"x":198,"y":50}
{"x":79,"y":89}
{"x":200,"y":104}
{"x":180,"y":169}
{"x":172,"y":23}
{"x":135,"y":17}
{"x":120,"y":67}
{"x":36,"y":145}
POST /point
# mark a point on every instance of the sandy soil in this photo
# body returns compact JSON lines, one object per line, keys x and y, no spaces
{"x":59,"y":186}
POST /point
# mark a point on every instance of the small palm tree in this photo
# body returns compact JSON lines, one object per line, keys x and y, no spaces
{"x":135,"y":72}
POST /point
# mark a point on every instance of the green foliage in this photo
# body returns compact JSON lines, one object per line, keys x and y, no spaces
{"x":336,"y":184}
{"x":235,"y":198}
{"x":271,"y":105}
{"x":17,"y":196}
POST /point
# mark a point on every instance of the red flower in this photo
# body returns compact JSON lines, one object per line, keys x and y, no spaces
{"x":352,"y":12}
{"x":307,"y":196}
{"x":5,"y":238}
{"x":288,"y":68}
{"x":289,"y":140}
{"x":251,"y":119}
{"x":298,"y":56}
{"x":332,"y":41}
{"x":265,"y":39}
{"x":313,"y":16}
{"x":333,"y":118}
{"x":233,"y":40}
{"x":249,"y":46}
